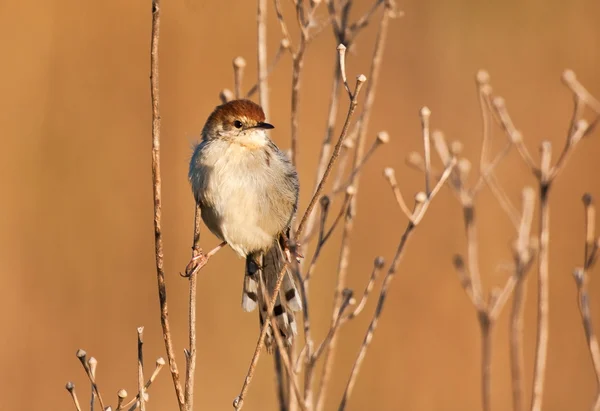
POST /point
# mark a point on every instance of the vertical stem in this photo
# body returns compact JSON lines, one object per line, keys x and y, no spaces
{"x":516,"y":343}
{"x":543,"y":295}
{"x":156,"y":186}
{"x":486,"y":325}
{"x":263,"y":86}
{"x":191,"y":353}
{"x":298,"y":64}
{"x":141,"y":390}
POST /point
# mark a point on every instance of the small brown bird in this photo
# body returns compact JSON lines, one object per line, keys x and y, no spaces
{"x":247,"y":190}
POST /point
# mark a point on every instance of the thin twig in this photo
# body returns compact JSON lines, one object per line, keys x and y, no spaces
{"x":261,"y":56}
{"x":121,"y":396}
{"x":191,"y":351}
{"x":523,"y":258}
{"x":93,"y":363}
{"x":156,"y":186}
{"x":425,"y":113}
{"x":581,"y":280}
{"x":71,"y":388}
{"x":140,"y":358}
{"x":239,"y":63}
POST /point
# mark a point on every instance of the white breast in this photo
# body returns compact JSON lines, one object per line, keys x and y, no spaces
{"x":238,"y":192}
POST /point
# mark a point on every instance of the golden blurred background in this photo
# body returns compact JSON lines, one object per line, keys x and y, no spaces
{"x":76,"y":234}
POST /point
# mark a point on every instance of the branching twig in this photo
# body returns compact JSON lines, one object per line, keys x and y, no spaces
{"x":422,"y":201}
{"x":82,"y":355}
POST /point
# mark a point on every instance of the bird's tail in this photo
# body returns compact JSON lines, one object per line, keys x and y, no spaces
{"x":259,"y":283}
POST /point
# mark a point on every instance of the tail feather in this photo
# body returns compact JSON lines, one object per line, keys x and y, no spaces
{"x":259,"y":284}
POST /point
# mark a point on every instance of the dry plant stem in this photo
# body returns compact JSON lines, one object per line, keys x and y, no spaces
{"x":348,"y":224}
{"x":486,"y":327}
{"x":71,"y":388}
{"x":516,"y":344}
{"x":121,"y":395}
{"x":81,"y":354}
{"x":297,"y":64}
{"x":191,"y":351}
{"x":543,"y":282}
{"x":425,"y":114}
{"x":133,"y":403}
{"x":238,"y":71}
{"x":93,"y":363}
{"x":239,"y":401}
{"x":582,"y":280}
{"x":140,"y":343}
{"x":261,"y":34}
{"x":156,"y":185}
{"x":522,"y":261}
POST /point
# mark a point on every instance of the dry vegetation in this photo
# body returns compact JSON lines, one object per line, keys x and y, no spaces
{"x":304,"y":371}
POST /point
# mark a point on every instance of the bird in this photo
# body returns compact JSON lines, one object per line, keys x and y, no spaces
{"x":247,"y":190}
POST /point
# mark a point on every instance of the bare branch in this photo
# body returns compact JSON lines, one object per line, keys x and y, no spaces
{"x":156,"y":186}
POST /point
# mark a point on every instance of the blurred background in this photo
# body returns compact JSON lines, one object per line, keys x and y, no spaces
{"x":76,"y":233}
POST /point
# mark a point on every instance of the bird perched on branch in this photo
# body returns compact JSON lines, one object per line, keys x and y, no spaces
{"x":247,"y":190}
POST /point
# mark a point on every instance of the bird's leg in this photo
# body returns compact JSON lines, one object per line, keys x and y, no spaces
{"x":290,"y":248}
{"x":198,"y":261}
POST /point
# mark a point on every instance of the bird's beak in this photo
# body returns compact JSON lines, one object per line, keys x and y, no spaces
{"x":266,"y":126}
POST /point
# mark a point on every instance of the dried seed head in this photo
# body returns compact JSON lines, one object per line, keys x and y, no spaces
{"x":361,"y":78}
{"x":569,"y":77}
{"x":239,"y":62}
{"x":483,"y":77}
{"x":456,"y":147}
{"x":383,"y":137}
{"x":388,"y":172}
{"x":415,"y":159}
{"x":350,"y":190}
{"x":420,"y":197}
{"x":379,"y":262}
{"x":122,"y":394}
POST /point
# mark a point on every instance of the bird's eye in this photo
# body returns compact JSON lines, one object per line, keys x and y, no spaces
{"x":237,"y":124}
